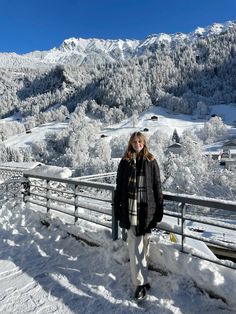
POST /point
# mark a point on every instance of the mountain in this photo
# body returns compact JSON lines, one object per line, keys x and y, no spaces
{"x":76,"y":51}
{"x":114,"y":78}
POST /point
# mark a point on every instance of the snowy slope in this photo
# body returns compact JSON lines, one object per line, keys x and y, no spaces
{"x":166,"y":123}
{"x":37,"y":134}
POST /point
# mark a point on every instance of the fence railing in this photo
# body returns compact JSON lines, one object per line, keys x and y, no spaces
{"x":93,"y":201}
{"x":10,"y":172}
{"x":81,"y":199}
{"x":204,"y":220}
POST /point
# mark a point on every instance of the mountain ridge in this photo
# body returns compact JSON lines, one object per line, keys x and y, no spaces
{"x":76,"y":51}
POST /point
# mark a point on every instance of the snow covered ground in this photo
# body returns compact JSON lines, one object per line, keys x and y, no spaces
{"x":37,"y":134}
{"x":44,"y":270}
{"x":166,"y":123}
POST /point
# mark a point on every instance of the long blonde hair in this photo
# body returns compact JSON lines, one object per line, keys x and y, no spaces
{"x":144,"y":152}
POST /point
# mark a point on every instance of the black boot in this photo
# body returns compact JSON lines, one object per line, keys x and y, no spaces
{"x":141,"y":292}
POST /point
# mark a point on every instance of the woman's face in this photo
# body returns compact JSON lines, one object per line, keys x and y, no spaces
{"x":137,"y":144}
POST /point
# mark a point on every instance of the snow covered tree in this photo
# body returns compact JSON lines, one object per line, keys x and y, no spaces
{"x":212,"y":130}
{"x":175,"y":136}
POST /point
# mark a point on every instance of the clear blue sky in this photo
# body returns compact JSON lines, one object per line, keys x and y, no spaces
{"x":28,"y":25}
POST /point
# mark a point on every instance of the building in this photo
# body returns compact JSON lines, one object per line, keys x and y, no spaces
{"x":174,"y":149}
{"x":228,"y":155}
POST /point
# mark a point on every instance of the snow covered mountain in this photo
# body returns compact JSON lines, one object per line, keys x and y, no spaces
{"x":78,"y":51}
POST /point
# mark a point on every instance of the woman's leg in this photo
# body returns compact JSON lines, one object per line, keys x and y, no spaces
{"x":146,"y":241}
{"x":138,"y":250}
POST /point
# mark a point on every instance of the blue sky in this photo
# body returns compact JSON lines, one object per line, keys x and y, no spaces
{"x":28,"y":25}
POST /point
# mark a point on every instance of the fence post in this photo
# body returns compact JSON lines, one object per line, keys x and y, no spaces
{"x":76,"y":201}
{"x":25,"y":189}
{"x":47,"y":194}
{"x":182,"y":225}
{"x":114,"y":221}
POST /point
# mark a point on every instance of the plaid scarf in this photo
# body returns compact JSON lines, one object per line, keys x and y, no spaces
{"x":136,"y":190}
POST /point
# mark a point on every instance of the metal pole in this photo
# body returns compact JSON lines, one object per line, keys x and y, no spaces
{"x":76,"y":202}
{"x":47,"y":194}
{"x":114,"y":221}
{"x":25,"y":189}
{"x":182,"y":225}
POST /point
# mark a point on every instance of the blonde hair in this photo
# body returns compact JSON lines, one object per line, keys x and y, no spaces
{"x":144,"y":152}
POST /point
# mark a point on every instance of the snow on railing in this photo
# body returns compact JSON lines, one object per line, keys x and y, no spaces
{"x":92,"y":201}
{"x":82,"y":199}
{"x":13,"y":188}
{"x":7,"y":173}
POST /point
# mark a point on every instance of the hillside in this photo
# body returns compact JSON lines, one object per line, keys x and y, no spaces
{"x":167,"y":122}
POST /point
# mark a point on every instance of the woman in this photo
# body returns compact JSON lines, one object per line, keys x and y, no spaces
{"x":138,"y":206}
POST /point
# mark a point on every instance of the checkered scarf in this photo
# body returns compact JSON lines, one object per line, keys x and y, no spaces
{"x":136,"y":191}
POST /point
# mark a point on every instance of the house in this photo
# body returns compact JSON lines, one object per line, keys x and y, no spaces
{"x":230,"y":144}
{"x":103,"y":135}
{"x":229,"y":148}
{"x":228,"y":155}
{"x":174,"y":149}
{"x":145,"y":130}
{"x":154,"y":118}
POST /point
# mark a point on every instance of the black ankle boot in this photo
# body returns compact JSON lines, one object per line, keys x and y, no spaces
{"x":140,"y":292}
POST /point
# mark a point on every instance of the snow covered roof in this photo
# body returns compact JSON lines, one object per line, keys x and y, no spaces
{"x":230,"y":143}
{"x":175,"y":145}
{"x":21,"y":165}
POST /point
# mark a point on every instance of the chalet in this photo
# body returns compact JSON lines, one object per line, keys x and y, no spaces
{"x":103,"y":135}
{"x":228,"y":155}
{"x":154,"y":118}
{"x":230,"y":148}
{"x":174,"y":149}
{"x":145,"y":130}
{"x":230,"y":144}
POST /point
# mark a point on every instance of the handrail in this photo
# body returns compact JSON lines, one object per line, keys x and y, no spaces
{"x":183,"y":200}
{"x":201,"y":201}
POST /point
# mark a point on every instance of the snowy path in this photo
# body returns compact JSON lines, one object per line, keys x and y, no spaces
{"x":43,"y":270}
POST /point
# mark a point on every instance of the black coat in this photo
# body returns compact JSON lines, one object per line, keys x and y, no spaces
{"x":154,"y":212}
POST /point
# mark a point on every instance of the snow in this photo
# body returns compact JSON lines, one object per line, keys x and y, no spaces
{"x":226,"y":112}
{"x":52,"y":171}
{"x":44,"y":270}
{"x":80,"y":50}
{"x":37,"y":134}
{"x":167,"y":122}
{"x":20,"y":165}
